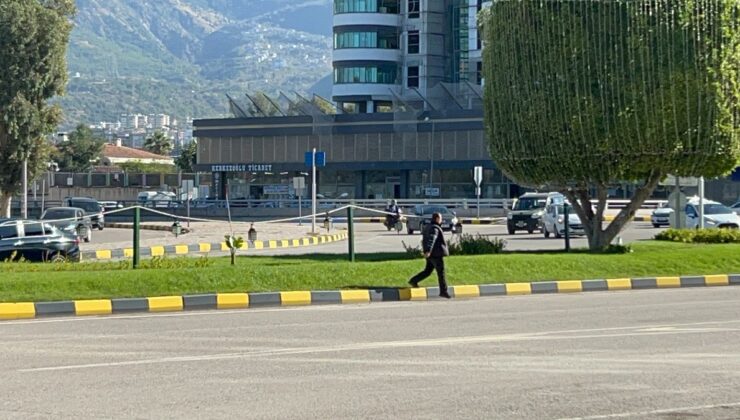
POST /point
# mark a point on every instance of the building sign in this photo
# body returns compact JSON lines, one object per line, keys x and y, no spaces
{"x":276,"y":189}
{"x":431,"y":192}
{"x":242,"y":168}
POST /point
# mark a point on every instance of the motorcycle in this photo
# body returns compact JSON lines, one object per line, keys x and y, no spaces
{"x":394,"y":221}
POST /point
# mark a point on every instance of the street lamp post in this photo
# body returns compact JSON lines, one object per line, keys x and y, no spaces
{"x":25,"y":189}
{"x":431,"y":154}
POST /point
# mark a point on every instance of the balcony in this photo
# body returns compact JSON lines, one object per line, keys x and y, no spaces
{"x":367,"y":54}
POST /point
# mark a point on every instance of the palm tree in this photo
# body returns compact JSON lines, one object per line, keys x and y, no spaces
{"x":158,"y":144}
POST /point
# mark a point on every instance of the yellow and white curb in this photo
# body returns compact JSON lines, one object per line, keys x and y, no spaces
{"x":204,"y":248}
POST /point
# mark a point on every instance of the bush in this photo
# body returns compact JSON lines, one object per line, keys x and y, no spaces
{"x":700,"y":236}
{"x":412,"y":251}
{"x":476,"y":245}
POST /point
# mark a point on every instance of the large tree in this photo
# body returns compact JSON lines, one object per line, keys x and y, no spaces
{"x":158,"y":143}
{"x":81,"y":151}
{"x":580,"y":95}
{"x":33,"y":44}
{"x":188,"y":156}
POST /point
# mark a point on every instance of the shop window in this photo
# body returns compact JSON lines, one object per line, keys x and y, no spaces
{"x":413,"y":44}
{"x":412,"y":79}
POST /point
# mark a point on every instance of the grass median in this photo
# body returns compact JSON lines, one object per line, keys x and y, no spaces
{"x":176,"y":276}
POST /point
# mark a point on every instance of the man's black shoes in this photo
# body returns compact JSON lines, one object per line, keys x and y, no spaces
{"x":413,"y":284}
{"x":445,"y":295}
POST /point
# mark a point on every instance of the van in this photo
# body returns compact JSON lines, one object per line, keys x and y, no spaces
{"x":527,"y":212}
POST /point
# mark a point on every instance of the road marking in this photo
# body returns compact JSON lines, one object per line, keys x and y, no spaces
{"x":376,"y":345}
{"x":654,"y":412}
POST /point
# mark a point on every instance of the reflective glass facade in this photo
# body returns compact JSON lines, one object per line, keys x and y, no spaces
{"x":367,"y":6}
{"x":374,"y":73}
{"x":366,"y":39}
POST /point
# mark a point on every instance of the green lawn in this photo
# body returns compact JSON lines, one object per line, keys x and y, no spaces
{"x":44,"y":282}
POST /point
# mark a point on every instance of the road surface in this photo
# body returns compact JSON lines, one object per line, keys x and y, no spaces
{"x":668,"y":354}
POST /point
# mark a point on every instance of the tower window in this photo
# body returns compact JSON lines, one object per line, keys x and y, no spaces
{"x":413,"y":46}
{"x":412,"y":80}
{"x":414,"y":9}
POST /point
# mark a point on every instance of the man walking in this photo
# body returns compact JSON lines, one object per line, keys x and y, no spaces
{"x":435,"y":249}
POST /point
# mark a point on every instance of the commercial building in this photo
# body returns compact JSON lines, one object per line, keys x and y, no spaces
{"x":406,"y":119}
{"x":403,"y":50}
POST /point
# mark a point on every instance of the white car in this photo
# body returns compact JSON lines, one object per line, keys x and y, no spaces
{"x":716,"y":215}
{"x":661,"y":216}
{"x":553,"y":222}
{"x":736,"y":207}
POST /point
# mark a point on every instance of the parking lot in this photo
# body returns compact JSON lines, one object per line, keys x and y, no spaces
{"x":369,"y":238}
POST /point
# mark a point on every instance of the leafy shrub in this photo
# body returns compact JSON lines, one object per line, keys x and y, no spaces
{"x":412,"y":251}
{"x":700,"y":236}
{"x":468,"y":244}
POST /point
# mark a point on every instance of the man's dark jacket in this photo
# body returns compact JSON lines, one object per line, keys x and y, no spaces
{"x":433,"y":241}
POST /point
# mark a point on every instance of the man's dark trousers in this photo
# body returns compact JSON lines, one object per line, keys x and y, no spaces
{"x":433,"y":263}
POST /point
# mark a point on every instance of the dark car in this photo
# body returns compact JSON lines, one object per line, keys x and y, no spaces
{"x":36,"y":241}
{"x":92,"y":208}
{"x":423,"y":215}
{"x":70,"y":220}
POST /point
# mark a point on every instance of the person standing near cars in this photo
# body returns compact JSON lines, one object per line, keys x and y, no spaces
{"x":435,"y":249}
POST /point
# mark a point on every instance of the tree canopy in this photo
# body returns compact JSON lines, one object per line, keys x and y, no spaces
{"x":81,"y":151}
{"x":583,"y":94}
{"x":187,"y":159}
{"x":158,"y":143}
{"x":33,"y":42}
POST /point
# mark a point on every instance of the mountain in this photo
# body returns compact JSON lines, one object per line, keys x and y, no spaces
{"x":181,"y":57}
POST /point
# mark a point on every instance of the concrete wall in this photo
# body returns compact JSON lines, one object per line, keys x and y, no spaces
{"x":102,"y":194}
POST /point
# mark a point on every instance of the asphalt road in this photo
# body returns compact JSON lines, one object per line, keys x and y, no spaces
{"x":666,"y":354}
{"x":373,"y":237}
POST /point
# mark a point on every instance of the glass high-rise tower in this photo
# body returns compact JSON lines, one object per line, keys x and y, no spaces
{"x":390,"y":51}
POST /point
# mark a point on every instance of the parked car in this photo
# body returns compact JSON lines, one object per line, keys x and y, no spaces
{"x":36,"y":241}
{"x":92,"y":209}
{"x":736,"y":208}
{"x":528,"y":211}
{"x":716,"y":215}
{"x":661,"y":216}
{"x":110,"y":205}
{"x":70,"y":220}
{"x":553,"y":222}
{"x":424,"y":213}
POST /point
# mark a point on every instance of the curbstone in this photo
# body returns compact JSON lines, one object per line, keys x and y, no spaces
{"x":645,"y":283}
{"x":204,"y":301}
{"x":130,"y":305}
{"x":55,"y":308}
{"x":165,"y":303}
{"x":232,"y":300}
{"x":264,"y":299}
{"x":600,"y":285}
{"x":734,"y":279}
{"x":544,"y":287}
{"x":692,"y":281}
{"x":492,"y":289}
{"x":323,"y":297}
{"x":93,"y":307}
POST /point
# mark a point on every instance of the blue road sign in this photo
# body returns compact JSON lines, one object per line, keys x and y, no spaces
{"x":320,"y":159}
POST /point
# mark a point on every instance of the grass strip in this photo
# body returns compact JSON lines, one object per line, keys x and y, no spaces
{"x":47,"y":282}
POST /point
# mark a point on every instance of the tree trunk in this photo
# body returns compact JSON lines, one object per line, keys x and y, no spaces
{"x":5,"y":200}
{"x":598,"y":237}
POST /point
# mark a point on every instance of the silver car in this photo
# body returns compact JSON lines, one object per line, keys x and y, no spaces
{"x":422,"y":216}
